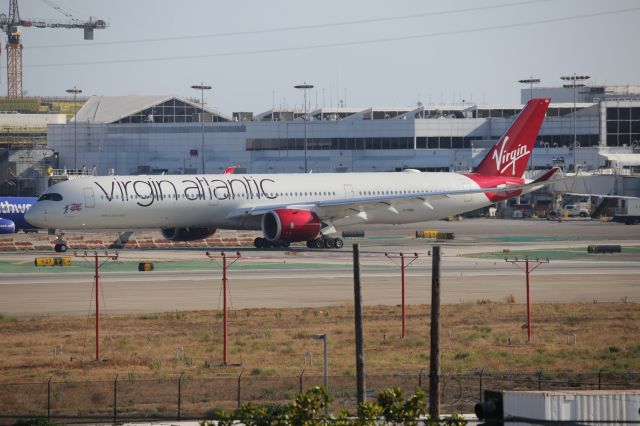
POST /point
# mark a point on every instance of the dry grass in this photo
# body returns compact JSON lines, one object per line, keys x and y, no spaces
{"x":272,"y":342}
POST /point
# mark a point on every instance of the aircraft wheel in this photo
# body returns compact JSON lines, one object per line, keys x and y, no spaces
{"x":56,"y":248}
{"x":338,"y":243}
{"x":63,"y":248}
{"x":329,"y":243}
{"x":285,"y":244}
{"x":310,"y":244}
{"x":318,"y":243}
{"x":258,"y":242}
{"x":267,"y":244}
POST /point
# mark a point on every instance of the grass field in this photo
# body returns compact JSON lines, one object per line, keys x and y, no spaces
{"x":273,"y":342}
{"x":629,"y":253}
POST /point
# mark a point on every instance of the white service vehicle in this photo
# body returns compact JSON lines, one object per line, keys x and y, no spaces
{"x":628,"y":211}
{"x":573,"y":210}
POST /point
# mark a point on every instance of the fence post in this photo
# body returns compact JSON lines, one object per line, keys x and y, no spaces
{"x":300,"y":380}
{"x":239,"y":377}
{"x":420,"y":378}
{"x":481,"y":373}
{"x":540,"y":379}
{"x":49,"y":399}
{"x":180,"y":395}
{"x":600,"y":379}
{"x":115,"y":400}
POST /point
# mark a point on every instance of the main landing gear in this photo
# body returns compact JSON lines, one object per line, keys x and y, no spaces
{"x":264,"y":243}
{"x":318,"y":243}
{"x":325,"y":242}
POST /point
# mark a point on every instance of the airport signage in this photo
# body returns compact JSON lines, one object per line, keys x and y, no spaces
{"x":145,"y":267}
{"x":53,"y":261}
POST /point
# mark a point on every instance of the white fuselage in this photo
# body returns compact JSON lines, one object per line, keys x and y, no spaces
{"x":127,"y":202}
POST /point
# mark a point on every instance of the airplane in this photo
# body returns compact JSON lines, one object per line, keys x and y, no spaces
{"x":294,"y":207}
{"x":12,"y":211}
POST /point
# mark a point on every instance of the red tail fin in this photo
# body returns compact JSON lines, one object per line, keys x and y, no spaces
{"x":510,"y":155}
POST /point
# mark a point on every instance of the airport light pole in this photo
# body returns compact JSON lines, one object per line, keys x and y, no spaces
{"x":202,"y":87}
{"x":527,"y":270}
{"x":305,"y":87}
{"x":574,"y":83}
{"x":225,"y":266}
{"x":97,"y":265}
{"x":530,"y":81}
{"x":403,"y":266}
{"x":323,"y":337}
{"x":75,"y":92}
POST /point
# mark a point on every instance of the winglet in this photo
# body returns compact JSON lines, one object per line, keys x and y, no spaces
{"x":547,"y":175}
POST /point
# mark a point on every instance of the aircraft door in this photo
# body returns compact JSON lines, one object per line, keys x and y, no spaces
{"x":348,"y":191}
{"x":89,"y":198}
{"x":467,"y":197}
{"x":213,"y":201}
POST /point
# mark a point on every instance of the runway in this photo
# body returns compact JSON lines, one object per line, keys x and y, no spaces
{"x":310,"y":278}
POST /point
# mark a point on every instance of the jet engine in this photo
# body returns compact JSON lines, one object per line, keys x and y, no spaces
{"x":187,"y":234}
{"x":290,"y":225}
{"x":7,"y":226}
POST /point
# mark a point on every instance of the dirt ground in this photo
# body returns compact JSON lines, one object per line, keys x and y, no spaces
{"x":278,"y":342}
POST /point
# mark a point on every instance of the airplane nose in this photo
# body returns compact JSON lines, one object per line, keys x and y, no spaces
{"x":35,"y":216}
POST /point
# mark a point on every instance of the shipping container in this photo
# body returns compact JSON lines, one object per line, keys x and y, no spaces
{"x":606,"y":406}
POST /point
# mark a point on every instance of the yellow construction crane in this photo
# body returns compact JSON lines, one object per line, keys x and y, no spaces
{"x":10,"y":25}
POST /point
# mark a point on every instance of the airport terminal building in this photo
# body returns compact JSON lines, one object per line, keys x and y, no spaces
{"x":155,"y":134}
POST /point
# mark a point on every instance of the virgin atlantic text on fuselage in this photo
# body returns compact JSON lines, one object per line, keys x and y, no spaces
{"x":198,"y":188}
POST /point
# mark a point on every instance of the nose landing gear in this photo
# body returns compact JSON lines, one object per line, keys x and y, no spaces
{"x":60,"y":245}
{"x":60,"y":248}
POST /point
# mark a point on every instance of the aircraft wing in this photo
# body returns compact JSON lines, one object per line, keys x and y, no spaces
{"x":359,"y":206}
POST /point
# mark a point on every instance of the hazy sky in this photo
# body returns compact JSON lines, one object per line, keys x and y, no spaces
{"x":369,"y":52}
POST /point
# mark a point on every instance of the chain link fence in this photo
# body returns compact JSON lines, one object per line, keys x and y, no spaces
{"x":184,"y":397}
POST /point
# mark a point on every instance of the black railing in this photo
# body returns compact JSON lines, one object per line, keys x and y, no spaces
{"x":185,"y":397}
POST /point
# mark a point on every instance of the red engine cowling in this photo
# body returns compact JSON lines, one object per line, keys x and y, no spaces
{"x":187,"y":234}
{"x":290,"y":225}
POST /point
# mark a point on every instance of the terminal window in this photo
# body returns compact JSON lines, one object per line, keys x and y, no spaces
{"x":623,"y":126}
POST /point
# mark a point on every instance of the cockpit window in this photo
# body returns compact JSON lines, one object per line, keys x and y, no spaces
{"x":51,"y":196}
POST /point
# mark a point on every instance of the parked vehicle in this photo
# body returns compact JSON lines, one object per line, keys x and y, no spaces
{"x":573,"y":210}
{"x":628,"y":211}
